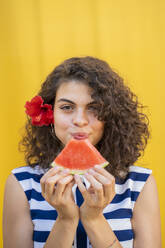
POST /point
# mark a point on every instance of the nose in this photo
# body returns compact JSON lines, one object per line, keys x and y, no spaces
{"x":80,"y":118}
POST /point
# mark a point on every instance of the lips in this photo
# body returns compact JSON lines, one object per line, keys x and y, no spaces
{"x":80,"y":136}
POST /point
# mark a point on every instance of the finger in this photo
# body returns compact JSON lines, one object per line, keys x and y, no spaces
{"x":102,"y":171}
{"x":91,"y":190}
{"x":53,"y":172}
{"x":69,"y":186}
{"x":61,"y":185}
{"x":108,"y":184}
{"x":97,"y":186}
{"x":68,"y":189}
{"x":50,"y":182}
{"x":100,"y":178}
{"x":50,"y":185}
{"x":81,"y":186}
{"x":48,"y":174}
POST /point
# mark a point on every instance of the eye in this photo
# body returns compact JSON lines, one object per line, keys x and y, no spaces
{"x":67,"y":108}
{"x":93,"y":109}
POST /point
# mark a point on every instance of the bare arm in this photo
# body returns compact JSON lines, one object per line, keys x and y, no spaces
{"x":61,"y":198}
{"x":96,"y":198}
{"x":17,"y":224}
{"x":146,"y":217}
{"x":100,"y":233}
{"x":62,"y":234}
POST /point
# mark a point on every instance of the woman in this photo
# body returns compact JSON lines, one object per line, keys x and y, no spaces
{"x":112,"y":207}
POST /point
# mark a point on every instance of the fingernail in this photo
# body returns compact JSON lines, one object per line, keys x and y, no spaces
{"x":65,"y":171}
{"x":91,"y":171}
{"x":76,"y":176}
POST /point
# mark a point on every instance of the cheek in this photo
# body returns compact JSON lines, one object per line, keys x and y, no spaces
{"x":97,"y":125}
{"x":61,"y":121}
{"x":98,"y":128}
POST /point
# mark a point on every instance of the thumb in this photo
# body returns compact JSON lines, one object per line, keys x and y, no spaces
{"x":81,"y":186}
{"x":68,"y":189}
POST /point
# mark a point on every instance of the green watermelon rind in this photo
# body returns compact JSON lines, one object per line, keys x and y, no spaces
{"x":80,"y":172}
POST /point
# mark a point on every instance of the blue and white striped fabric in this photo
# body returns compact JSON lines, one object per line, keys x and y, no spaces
{"x":118,"y":213}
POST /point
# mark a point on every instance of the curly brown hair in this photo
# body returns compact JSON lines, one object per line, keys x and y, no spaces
{"x":126,"y":126}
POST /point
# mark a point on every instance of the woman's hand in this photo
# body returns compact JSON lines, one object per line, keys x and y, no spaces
{"x":100,"y":193}
{"x":56,"y":188}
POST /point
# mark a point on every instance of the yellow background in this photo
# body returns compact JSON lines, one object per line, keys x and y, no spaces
{"x":36,"y":35}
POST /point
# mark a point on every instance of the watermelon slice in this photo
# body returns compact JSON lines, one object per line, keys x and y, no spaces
{"x":79,"y":156}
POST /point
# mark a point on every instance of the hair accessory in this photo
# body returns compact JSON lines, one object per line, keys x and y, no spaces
{"x":41,"y":114}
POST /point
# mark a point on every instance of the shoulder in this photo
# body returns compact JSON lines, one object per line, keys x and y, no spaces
{"x":149,"y":194}
{"x":21,"y":182}
{"x":13,"y":189}
{"x":27,"y":178}
{"x":14,"y":196}
{"x":15,"y":214}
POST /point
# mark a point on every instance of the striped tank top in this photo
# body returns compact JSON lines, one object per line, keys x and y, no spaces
{"x":118,"y":213}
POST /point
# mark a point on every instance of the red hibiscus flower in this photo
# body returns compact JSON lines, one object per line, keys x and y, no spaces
{"x":41,"y":114}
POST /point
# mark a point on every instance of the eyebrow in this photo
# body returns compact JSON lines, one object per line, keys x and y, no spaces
{"x":65,"y":100}
{"x":69,"y":101}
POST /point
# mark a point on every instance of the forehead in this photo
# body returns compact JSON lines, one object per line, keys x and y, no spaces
{"x":74,"y":90}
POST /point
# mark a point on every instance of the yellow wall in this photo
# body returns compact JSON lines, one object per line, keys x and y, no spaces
{"x":37,"y":35}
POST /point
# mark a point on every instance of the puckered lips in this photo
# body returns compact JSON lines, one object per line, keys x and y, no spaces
{"x":80,"y":135}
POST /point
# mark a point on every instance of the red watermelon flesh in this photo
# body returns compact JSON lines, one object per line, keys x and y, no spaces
{"x":79,"y":156}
